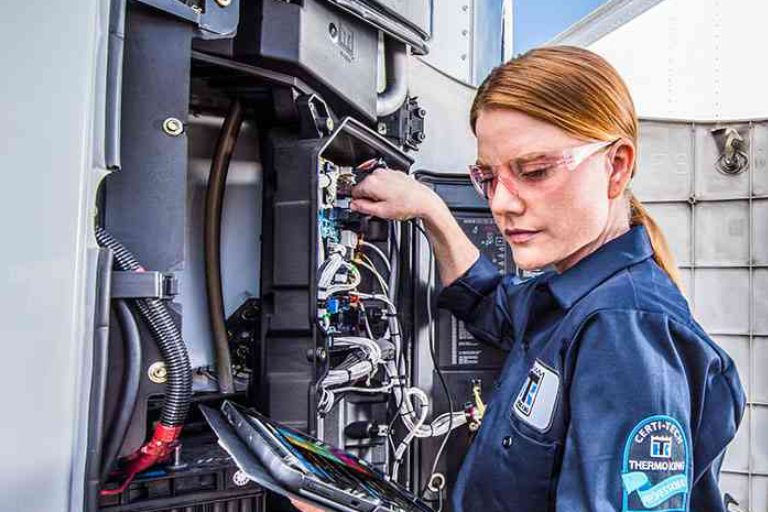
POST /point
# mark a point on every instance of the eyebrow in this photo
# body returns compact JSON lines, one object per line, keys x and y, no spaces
{"x":529,"y":154}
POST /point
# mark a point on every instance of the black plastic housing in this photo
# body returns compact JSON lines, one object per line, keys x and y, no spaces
{"x":332,"y":50}
{"x":290,"y":336}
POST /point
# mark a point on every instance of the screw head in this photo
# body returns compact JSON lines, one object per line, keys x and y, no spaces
{"x":158,"y":372}
{"x":240,"y":478}
{"x":333,"y":31}
{"x":382,"y":128}
{"x":173,"y":127}
{"x":223,"y":3}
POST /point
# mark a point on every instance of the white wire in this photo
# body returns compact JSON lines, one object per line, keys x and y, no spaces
{"x":369,"y":266}
{"x":379,"y":252}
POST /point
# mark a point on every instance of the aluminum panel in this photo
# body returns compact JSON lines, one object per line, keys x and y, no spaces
{"x":737,"y":454}
{"x":760,"y":376}
{"x":674,"y":219}
{"x":711,"y":183}
{"x":450,"y":49}
{"x":665,"y":161}
{"x":760,"y":301}
{"x":737,"y":486}
{"x":738,"y":348}
{"x":722,"y":233}
{"x":760,"y":159}
{"x":759,"y":499}
{"x":759,"y":448}
{"x":760,"y":233}
{"x":722,"y":300}
{"x":686,"y":275}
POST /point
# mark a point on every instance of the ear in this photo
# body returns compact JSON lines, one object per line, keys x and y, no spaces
{"x":621,"y":160}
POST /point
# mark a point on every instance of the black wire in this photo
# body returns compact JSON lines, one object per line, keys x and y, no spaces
{"x":434,"y":358}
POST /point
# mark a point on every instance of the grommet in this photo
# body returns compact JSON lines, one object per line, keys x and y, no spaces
{"x":506,"y":442}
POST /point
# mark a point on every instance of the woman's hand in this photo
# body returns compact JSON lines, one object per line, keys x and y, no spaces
{"x":305,"y":507}
{"x":393,"y":195}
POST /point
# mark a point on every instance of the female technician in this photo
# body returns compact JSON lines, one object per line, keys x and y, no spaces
{"x":612,"y":396}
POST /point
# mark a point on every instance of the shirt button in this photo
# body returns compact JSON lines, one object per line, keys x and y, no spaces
{"x":506,"y":442}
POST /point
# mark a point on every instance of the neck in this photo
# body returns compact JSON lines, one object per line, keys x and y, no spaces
{"x":618,"y":224}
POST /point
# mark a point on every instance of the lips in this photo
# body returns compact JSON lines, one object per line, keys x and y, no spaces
{"x":520,"y":236}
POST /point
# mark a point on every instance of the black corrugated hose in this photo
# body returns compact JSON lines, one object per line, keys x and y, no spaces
{"x":129,"y":391}
{"x":178,"y":391}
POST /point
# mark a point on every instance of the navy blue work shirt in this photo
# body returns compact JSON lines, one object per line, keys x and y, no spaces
{"x":612,"y":397}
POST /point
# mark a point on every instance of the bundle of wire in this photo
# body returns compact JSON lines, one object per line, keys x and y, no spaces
{"x":341,"y":276}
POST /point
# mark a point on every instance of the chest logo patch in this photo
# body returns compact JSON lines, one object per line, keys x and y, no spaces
{"x":655,"y":469}
{"x":535,"y":404}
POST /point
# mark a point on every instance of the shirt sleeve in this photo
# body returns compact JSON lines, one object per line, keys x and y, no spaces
{"x":629,"y":443}
{"x":482,"y":299}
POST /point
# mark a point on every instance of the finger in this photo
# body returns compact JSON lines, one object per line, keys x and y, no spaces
{"x":368,"y":207}
{"x":367,"y":188}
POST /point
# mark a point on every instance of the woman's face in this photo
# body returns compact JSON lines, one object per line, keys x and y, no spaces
{"x":551,"y":224}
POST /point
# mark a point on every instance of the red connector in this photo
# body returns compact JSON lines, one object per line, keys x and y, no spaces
{"x":158,"y":448}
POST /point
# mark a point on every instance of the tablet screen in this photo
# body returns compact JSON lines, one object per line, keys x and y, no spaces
{"x":341,"y":469}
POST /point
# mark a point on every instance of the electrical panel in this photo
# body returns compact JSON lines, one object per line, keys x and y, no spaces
{"x":468,"y":367}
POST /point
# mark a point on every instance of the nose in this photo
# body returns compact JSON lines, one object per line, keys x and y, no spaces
{"x":506,"y":202}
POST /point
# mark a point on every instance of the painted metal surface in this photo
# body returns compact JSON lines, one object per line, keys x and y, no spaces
{"x":50,"y":153}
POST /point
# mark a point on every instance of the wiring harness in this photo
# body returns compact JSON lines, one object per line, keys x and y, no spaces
{"x":367,"y":360}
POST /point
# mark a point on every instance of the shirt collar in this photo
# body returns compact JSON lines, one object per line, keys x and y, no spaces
{"x":632,"y":247}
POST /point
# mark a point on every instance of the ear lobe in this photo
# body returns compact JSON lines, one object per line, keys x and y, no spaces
{"x":621,"y":161}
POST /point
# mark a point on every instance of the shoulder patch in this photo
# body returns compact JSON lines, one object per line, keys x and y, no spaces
{"x":535,"y":404}
{"x":655,"y":470}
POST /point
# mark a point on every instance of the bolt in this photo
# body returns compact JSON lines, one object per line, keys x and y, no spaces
{"x":177,"y":463}
{"x":463,"y":56}
{"x":157,"y":372}
{"x":173,"y":127}
{"x":464,"y":8}
{"x":421,"y":113}
{"x":420,"y":136}
{"x":317,"y":354}
{"x":382,"y":128}
{"x":464,"y":32}
{"x":223,"y":3}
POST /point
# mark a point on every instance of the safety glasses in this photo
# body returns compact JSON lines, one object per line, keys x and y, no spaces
{"x":532,"y":171}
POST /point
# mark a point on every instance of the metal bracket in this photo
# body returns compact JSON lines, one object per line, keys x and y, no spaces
{"x":733,"y":157}
{"x":144,"y":285}
{"x":315,"y":120}
{"x":405,"y":127}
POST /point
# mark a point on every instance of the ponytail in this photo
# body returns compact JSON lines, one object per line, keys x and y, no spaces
{"x":661,"y":252}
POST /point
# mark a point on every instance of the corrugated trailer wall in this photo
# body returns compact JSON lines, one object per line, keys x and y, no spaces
{"x":717,"y":226}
